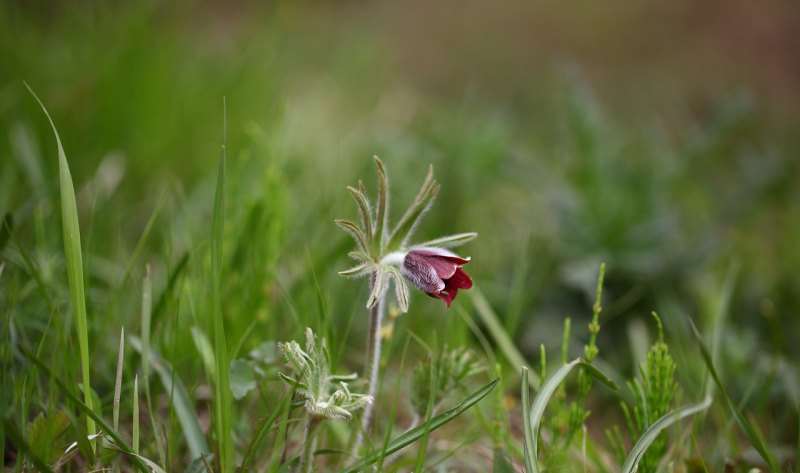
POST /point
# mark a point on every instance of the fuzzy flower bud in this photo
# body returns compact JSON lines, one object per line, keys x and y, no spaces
{"x":436,"y":272}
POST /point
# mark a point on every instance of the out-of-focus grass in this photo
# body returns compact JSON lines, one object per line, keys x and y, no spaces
{"x":668,"y":190}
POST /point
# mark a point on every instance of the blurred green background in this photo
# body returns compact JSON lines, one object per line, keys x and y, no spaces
{"x":659,"y":137}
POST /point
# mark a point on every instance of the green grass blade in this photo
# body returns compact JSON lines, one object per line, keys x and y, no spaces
{"x":651,"y":434}
{"x":418,"y":432}
{"x":136,"y":414}
{"x":266,"y":426}
{"x":147,"y":298}
{"x":118,"y":379}
{"x":147,"y":314}
{"x":222,"y":389}
{"x":526,"y":426}
{"x":153,"y":466}
{"x":187,"y":416}
{"x":495,"y":327}
{"x":753,"y":434}
{"x":174,"y":276}
{"x":74,"y":261}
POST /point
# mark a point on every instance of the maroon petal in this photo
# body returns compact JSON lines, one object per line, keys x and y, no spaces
{"x":460,"y":280}
{"x":436,"y":272}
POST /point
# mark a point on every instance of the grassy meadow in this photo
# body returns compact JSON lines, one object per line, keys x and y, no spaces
{"x":631,"y":172}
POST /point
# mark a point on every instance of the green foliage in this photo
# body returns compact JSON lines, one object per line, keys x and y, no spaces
{"x":577,"y":412}
{"x":43,"y":433}
{"x":653,"y":393}
{"x":574,"y":165}
{"x":435,"y":422}
{"x":534,"y":415}
{"x":324,"y":395}
{"x":651,"y":436}
{"x":441,"y":374}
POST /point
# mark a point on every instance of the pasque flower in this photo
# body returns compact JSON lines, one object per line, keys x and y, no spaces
{"x":436,"y":272}
{"x":384,"y":255}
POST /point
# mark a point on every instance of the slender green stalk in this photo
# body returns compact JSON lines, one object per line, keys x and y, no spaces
{"x":222,"y":392}
{"x":136,"y":414}
{"x":309,"y":444}
{"x":118,"y":381}
{"x":147,"y":313}
{"x":372,"y":366}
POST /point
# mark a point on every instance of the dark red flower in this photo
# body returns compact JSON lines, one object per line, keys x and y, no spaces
{"x":436,"y":272}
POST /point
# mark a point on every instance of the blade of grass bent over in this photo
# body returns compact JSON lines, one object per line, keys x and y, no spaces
{"x":411,"y":436}
{"x":543,"y":397}
{"x":74,"y":261}
{"x":651,"y":434}
{"x":222,"y":389}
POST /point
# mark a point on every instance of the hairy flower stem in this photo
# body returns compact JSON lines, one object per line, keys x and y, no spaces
{"x":309,"y":444}
{"x":372,"y":365}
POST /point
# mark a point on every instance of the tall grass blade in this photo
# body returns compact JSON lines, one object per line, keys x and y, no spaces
{"x":176,"y":273}
{"x":418,"y":432}
{"x":753,"y":434}
{"x":651,"y":434}
{"x":222,"y":389}
{"x":492,"y":323}
{"x":147,"y":314}
{"x":266,"y":426}
{"x":147,"y":291}
{"x":723,"y":307}
{"x":187,"y":416}
{"x":136,"y":414}
{"x":74,"y":261}
{"x":526,"y":426}
{"x":118,"y":379}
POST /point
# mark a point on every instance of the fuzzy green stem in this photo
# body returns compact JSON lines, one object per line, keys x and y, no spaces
{"x":372,"y":365}
{"x":309,"y":444}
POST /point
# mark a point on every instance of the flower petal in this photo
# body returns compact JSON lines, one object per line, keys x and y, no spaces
{"x":422,"y":274}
